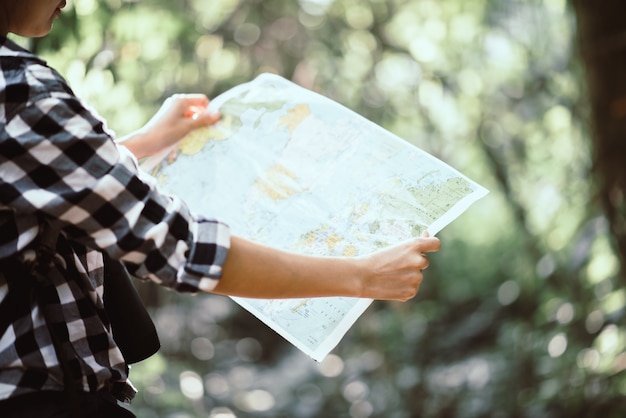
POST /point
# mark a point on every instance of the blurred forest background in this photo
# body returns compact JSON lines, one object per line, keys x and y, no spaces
{"x":521,"y":313}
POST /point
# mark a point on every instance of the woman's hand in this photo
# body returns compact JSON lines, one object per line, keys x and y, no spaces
{"x":179,"y":115}
{"x":395,"y":273}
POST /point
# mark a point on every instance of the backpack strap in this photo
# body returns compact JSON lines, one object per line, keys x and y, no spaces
{"x":33,"y":267}
{"x":28,"y":267}
{"x":17,"y":300}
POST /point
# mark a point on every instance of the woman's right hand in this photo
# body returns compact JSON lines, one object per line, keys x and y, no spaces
{"x":395,"y":273}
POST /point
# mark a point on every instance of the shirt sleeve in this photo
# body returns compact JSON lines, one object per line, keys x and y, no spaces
{"x":60,"y":161}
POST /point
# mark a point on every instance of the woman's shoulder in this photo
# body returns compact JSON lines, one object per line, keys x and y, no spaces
{"x":31,"y":78}
{"x":27,"y":79}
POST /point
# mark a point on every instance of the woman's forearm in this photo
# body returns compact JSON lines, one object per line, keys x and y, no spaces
{"x":253,"y":270}
{"x":256,"y":271}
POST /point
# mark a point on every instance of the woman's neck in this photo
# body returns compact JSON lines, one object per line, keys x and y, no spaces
{"x":4,"y":18}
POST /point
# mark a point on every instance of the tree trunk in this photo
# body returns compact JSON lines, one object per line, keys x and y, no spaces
{"x":602,"y":42}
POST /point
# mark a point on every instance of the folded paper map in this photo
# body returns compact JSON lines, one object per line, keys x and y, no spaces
{"x":294,"y":170}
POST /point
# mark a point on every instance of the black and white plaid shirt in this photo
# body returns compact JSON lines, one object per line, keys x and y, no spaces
{"x":59,"y":163}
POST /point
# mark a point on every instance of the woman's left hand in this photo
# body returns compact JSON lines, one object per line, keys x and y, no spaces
{"x":179,"y":115}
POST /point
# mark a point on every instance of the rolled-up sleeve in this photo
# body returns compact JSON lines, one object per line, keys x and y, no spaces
{"x":213,"y":241}
{"x":60,"y":161}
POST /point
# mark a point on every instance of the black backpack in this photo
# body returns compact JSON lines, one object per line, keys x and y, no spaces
{"x":133,"y":329}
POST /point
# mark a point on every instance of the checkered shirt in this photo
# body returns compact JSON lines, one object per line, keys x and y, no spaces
{"x":59,"y":163}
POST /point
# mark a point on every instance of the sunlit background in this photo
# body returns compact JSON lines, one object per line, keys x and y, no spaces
{"x":521,"y":313}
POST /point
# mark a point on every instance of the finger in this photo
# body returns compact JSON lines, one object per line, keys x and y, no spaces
{"x":428,"y":245}
{"x":193,"y":111}
{"x":425,"y":262}
{"x":191,"y":104}
{"x":205,"y":118}
{"x":192,"y":99}
{"x":414,"y":290}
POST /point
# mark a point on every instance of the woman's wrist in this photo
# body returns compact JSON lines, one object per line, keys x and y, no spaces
{"x":140,"y":143}
{"x":354,"y":276}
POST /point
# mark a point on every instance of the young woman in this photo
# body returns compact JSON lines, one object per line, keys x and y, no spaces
{"x":61,"y":169}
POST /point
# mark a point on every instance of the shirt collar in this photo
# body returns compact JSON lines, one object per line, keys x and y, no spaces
{"x":8,"y":48}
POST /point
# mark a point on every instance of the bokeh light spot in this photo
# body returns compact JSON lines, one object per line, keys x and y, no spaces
{"x":557,"y":345}
{"x":216,"y":385}
{"x":594,"y":321}
{"x":361,"y":409}
{"x":202,"y":348}
{"x":247,"y":34}
{"x":332,"y":366}
{"x":191,"y":385}
{"x":565,"y":313}
{"x":222,"y":412}
{"x":355,"y":391}
{"x":255,"y":401}
{"x":508,"y":292}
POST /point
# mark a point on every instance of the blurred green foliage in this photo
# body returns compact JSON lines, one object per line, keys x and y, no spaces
{"x":521,"y":313}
